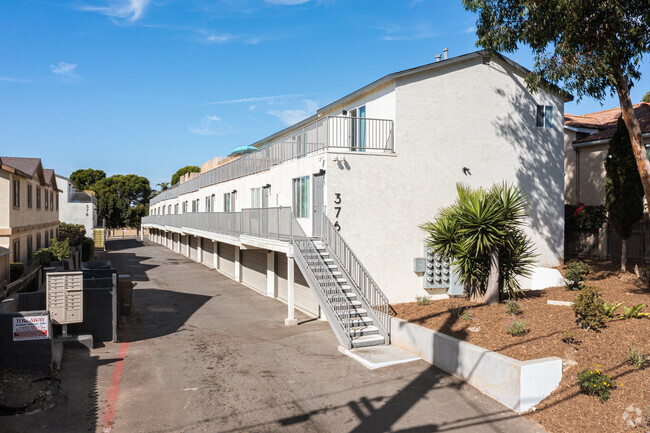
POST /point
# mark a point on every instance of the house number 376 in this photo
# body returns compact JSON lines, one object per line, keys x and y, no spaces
{"x":337,"y":201}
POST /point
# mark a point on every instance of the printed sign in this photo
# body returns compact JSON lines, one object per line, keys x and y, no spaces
{"x":31,"y":328}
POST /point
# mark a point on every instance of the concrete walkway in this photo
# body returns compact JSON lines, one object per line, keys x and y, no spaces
{"x":206,"y":354}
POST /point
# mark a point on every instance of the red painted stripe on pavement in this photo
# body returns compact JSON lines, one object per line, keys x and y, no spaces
{"x":114,"y":390}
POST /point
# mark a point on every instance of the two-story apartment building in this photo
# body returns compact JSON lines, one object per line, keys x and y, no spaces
{"x":343,"y":193}
{"x":76,"y":206}
{"x":29,"y":207}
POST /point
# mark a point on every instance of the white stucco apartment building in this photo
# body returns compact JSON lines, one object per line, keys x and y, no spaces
{"x":76,"y":206}
{"x":376,"y":164}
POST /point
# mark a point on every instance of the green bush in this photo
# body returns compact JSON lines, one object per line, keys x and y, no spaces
{"x":593,"y":382}
{"x":74,"y":232}
{"x":513,"y":308}
{"x":583,"y":218}
{"x":456,"y":311}
{"x":634,"y":312}
{"x":638,"y":358}
{"x":518,"y":327}
{"x":60,"y":249}
{"x":16,"y":270}
{"x":611,"y":308}
{"x":575,"y":275}
{"x":43,"y":257}
{"x":569,"y":338}
{"x":87,"y":250}
{"x":589,"y":310}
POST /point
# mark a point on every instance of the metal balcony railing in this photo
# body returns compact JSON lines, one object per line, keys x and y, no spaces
{"x":354,"y":134}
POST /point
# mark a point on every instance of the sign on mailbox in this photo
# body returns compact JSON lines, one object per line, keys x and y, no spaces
{"x":65,"y":297}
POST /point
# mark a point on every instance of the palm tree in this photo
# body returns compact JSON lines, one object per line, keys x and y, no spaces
{"x":163,"y":185}
{"x":482,"y":233}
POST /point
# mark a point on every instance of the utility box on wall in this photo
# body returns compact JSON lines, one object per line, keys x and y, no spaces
{"x":65,"y":297}
{"x":438,"y":273}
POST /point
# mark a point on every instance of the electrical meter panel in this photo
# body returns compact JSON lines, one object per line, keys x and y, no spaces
{"x":439,"y":273}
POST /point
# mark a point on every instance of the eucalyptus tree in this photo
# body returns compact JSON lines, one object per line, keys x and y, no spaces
{"x":588,"y":47}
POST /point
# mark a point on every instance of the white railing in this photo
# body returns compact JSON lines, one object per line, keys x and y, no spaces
{"x":355,"y":134}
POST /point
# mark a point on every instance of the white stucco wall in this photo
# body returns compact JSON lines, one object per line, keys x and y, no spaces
{"x":75,"y":212}
{"x":475,"y":116}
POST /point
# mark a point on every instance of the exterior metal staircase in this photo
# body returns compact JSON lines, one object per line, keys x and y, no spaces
{"x":357,"y":311}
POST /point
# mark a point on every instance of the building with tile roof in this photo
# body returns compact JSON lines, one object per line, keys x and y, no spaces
{"x":586,"y":140}
{"x":29,"y":207}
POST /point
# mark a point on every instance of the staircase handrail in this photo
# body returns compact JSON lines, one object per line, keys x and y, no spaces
{"x":368,"y":289}
{"x":336,"y":299}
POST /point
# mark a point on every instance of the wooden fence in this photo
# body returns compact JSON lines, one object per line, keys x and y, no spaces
{"x":606,"y":244}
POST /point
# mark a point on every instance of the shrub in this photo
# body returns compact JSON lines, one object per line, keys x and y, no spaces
{"x":518,"y":327}
{"x":589,"y":310}
{"x":16,"y":270}
{"x":575,"y":275}
{"x":610,"y":309}
{"x":634,"y":312}
{"x":593,"y":382}
{"x":88,"y":250}
{"x":584,"y":218}
{"x":43,"y":257}
{"x":74,"y":232}
{"x":456,"y":311}
{"x":638,"y":358}
{"x":513,"y":308}
{"x":569,"y":338}
{"x":60,"y":249}
{"x":468,"y":314}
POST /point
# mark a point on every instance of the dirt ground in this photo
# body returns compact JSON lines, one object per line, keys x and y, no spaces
{"x":566,"y":409}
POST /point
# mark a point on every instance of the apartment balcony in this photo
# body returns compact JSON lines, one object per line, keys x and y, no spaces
{"x":335,"y":133}
{"x":274,"y":224}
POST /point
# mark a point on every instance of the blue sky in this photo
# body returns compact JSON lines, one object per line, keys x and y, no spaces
{"x":149,"y":86}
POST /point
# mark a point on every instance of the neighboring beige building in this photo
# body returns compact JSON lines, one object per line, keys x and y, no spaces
{"x":586,"y":140}
{"x":29,"y":207}
{"x":4,"y":265}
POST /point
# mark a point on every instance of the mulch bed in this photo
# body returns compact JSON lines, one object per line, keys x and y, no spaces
{"x":566,"y":409}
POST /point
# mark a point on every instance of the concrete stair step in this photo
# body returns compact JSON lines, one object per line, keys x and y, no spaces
{"x":359,"y":331}
{"x":361,"y":321}
{"x":355,"y":304}
{"x":368,"y":340}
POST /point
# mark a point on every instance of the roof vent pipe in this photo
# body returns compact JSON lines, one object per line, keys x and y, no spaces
{"x":438,"y":57}
{"x":445,"y":52}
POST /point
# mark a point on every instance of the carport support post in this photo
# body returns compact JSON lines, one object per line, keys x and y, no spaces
{"x":291,"y":314}
{"x":270,"y":274}
{"x":215,"y":256}
{"x":187,"y":245}
{"x":237,"y":264}
{"x":141,"y":233}
{"x":199,"y":250}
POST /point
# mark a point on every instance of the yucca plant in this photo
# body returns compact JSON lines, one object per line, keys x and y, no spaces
{"x":482,"y":232}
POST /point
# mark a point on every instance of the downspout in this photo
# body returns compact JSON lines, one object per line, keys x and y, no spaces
{"x":577,"y":151}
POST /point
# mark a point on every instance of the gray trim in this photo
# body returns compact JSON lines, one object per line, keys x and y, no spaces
{"x":603,"y":141}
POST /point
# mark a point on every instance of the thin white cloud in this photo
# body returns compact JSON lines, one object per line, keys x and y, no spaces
{"x":269,"y":99}
{"x":131,"y":10}
{"x":212,"y":38}
{"x":407,"y":33}
{"x":470,"y":29}
{"x":64,"y":69}
{"x":287,"y":2}
{"x":290,"y":117}
{"x":14,"y":80}
{"x":210,"y":125}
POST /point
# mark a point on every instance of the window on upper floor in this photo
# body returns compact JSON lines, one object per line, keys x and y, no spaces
{"x":544,"y":118}
{"x":38,"y":198}
{"x":256,"y":197}
{"x":52,"y":200}
{"x":301,"y":197}
{"x":16,"y":251}
{"x":226,"y":202}
{"x":207,"y":204}
{"x":194,"y":209}
{"x":47,"y":199}
{"x":16,"y":200}
{"x":29,"y":196}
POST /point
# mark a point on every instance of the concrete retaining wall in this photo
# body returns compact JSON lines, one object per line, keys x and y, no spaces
{"x":517,"y":384}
